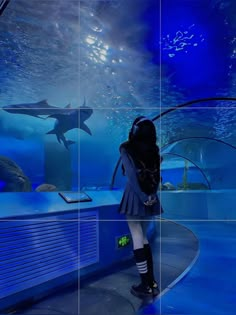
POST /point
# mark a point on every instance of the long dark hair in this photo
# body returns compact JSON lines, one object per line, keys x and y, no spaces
{"x":141,"y":144}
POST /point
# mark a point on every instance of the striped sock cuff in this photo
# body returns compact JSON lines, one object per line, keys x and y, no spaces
{"x":142,"y":266}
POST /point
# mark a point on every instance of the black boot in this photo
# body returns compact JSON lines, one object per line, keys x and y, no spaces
{"x":151,"y":279}
{"x":143,"y":289}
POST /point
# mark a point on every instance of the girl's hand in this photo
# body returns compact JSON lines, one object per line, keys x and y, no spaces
{"x":151,"y":200}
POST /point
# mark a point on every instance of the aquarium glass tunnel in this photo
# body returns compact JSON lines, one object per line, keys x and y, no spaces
{"x":74,"y":76}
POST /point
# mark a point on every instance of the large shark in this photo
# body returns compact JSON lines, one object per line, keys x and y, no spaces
{"x":70,"y":118}
{"x":66,"y":118}
{"x":38,"y":109}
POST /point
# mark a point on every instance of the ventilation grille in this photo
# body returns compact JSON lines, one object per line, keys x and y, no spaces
{"x":33,"y":252}
{"x":89,"y":239}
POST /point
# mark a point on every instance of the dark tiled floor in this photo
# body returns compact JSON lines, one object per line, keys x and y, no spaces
{"x":65,"y":302}
{"x":178,"y":248}
{"x":110,"y":295}
{"x":209,"y":287}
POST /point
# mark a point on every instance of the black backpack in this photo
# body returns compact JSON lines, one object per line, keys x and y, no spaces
{"x":149,"y":179}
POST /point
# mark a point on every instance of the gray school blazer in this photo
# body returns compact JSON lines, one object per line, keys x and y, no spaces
{"x":133,"y":199}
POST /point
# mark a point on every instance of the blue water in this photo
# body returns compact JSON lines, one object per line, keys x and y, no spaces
{"x":175,"y":176}
{"x":125,"y":58}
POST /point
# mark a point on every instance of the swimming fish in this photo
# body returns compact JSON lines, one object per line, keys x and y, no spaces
{"x":32,"y":109}
{"x":70,"y":118}
{"x":66,"y":118}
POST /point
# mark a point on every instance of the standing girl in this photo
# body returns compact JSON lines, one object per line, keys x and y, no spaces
{"x":141,"y":164}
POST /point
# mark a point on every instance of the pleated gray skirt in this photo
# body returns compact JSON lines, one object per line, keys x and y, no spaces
{"x":131,"y":205}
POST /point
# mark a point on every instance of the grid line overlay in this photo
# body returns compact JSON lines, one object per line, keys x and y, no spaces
{"x":160,"y":124}
{"x":79,"y":164}
{"x":160,"y":36}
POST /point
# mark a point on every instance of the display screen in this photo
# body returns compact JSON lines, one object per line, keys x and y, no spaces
{"x":74,"y":196}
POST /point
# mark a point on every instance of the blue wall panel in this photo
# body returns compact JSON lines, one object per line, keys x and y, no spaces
{"x":33,"y":253}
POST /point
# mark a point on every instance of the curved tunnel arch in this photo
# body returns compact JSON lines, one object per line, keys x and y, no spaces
{"x":165,"y":147}
{"x":203,"y":174}
{"x":200,"y":100}
{"x":207,"y":138}
{"x":214,"y":156}
{"x":173,"y":154}
{"x":209,"y":99}
{"x":3,"y":5}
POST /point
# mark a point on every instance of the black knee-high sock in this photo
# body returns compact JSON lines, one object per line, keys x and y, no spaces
{"x":148,"y":254}
{"x":141,"y":262}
